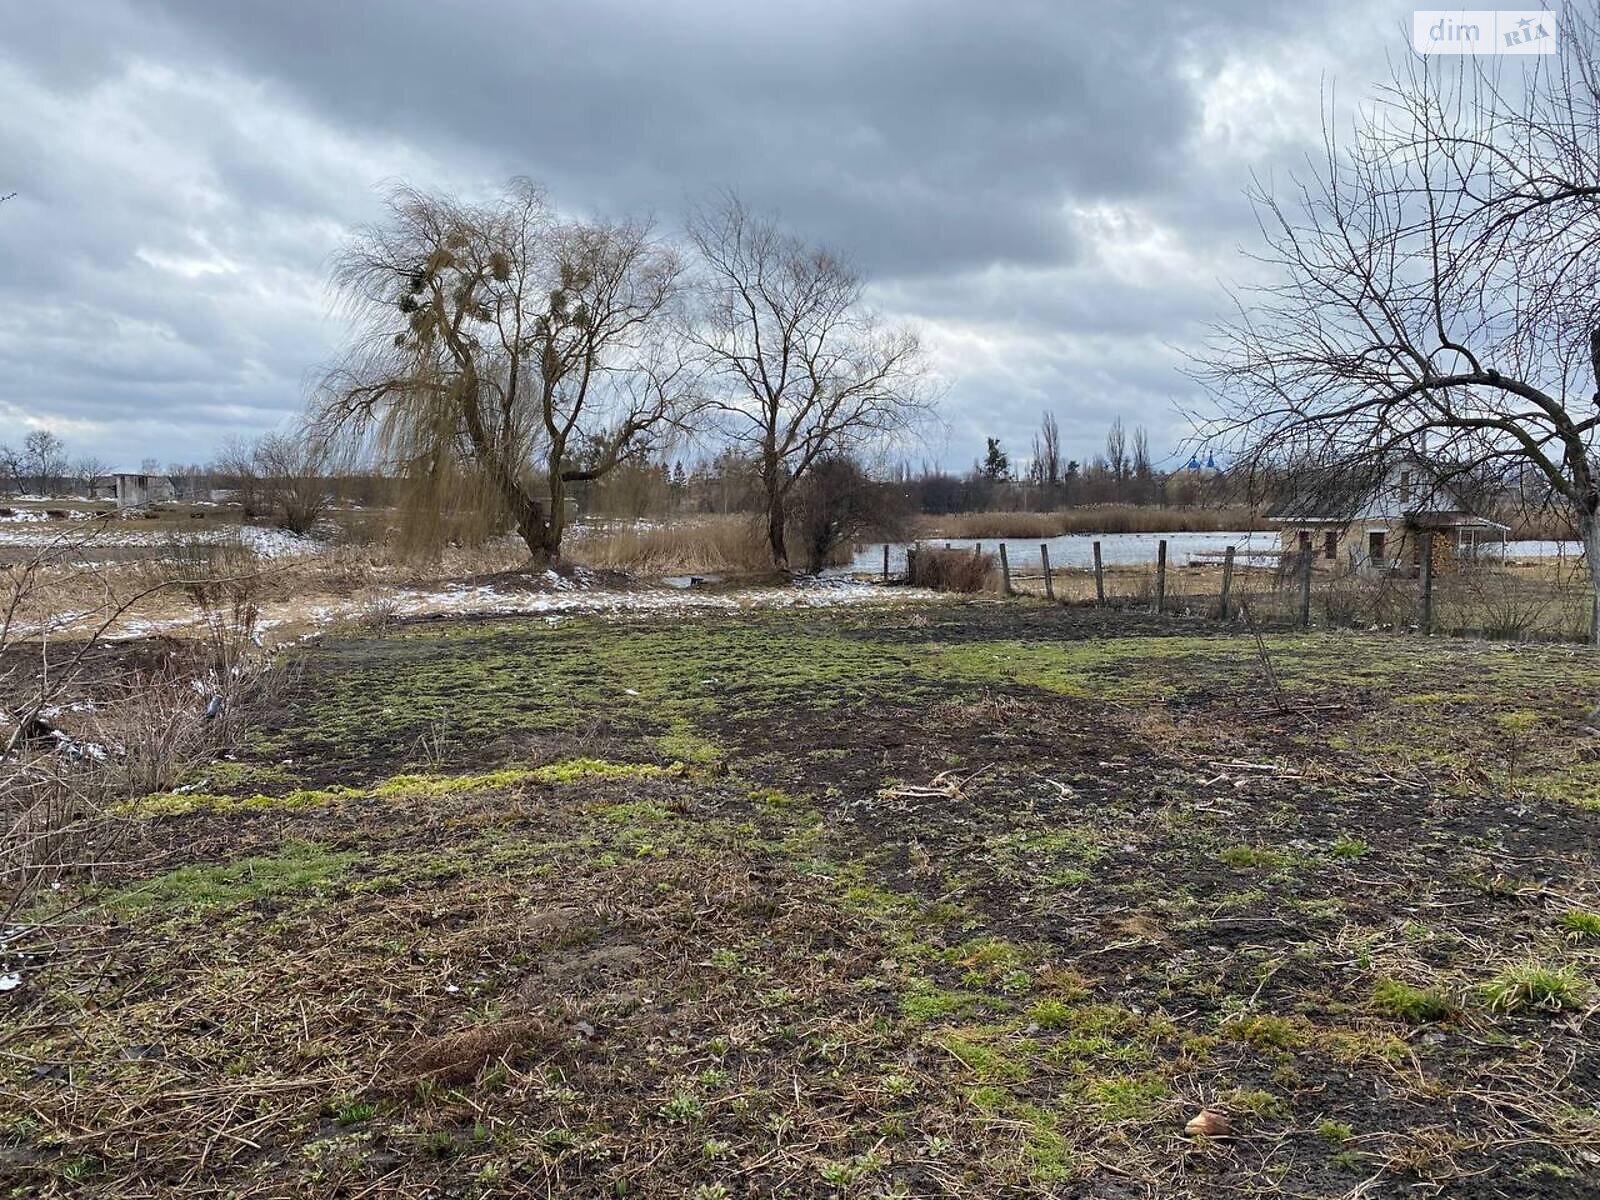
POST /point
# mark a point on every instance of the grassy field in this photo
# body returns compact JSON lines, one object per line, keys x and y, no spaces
{"x":941,"y":900}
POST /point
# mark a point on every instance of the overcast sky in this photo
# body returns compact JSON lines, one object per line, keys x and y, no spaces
{"x":1052,"y":192}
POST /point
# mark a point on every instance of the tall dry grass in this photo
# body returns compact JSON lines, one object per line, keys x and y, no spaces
{"x":950,"y":570}
{"x":1098,"y":518}
{"x":715,"y":545}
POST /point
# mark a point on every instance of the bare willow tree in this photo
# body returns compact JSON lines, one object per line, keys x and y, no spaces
{"x":503,"y":353}
{"x":1433,"y":288}
{"x":800,"y":368}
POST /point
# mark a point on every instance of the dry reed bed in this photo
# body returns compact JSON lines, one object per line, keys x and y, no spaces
{"x":1100,"y":518}
{"x":732,"y":544}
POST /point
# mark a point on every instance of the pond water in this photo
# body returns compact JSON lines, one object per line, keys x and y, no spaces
{"x":1129,"y":549}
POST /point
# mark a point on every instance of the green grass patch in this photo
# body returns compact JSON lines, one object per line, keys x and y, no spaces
{"x":925,"y":1001}
{"x":1126,"y":1098}
{"x":296,"y":867}
{"x":686,"y":746}
{"x":1406,"y":1003}
{"x":409,"y":786}
{"x":1256,"y":858}
{"x":1533,"y":986}
{"x":1268,"y":1032}
{"x":1335,"y":1133}
{"x":1580,"y":925}
{"x":987,"y":1061}
{"x":1349,"y":849}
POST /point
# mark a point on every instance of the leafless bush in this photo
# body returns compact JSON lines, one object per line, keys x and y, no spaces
{"x":1360,"y":599}
{"x":79,"y":732}
{"x":196,"y":566}
{"x":286,"y":477}
{"x":950,"y":570}
{"x":1495,"y":602}
{"x":376,"y":607}
{"x":1346,"y":600}
{"x":837,"y":503}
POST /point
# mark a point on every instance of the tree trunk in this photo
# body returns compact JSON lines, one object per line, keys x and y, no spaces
{"x":777,"y":516}
{"x":534,"y":531}
{"x":776,"y":519}
{"x":1589,"y":527}
{"x":532,"y":525}
{"x":555,"y":524}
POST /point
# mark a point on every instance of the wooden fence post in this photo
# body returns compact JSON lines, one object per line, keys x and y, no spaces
{"x":1305,"y":589}
{"x":1049,"y":584}
{"x":1227,"y":582}
{"x":1161,"y":575}
{"x":1005,"y":572}
{"x":1099,"y":577}
{"x":1426,"y":538}
{"x":886,"y":562}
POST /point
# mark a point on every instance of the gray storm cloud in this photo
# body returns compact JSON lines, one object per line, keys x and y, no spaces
{"x":1052,"y":192}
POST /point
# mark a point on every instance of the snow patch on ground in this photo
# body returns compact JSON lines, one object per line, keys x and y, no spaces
{"x":572,"y":598}
{"x":277,"y":543}
{"x":567,"y":596}
{"x":268,"y":543}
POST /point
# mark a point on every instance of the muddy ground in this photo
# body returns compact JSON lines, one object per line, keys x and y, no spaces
{"x":940,"y":900}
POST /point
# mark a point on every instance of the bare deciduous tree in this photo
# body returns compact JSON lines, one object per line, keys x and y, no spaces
{"x":800,"y":368}
{"x":235,"y":468}
{"x":497,"y":346}
{"x":1117,"y":453}
{"x":838,"y":502}
{"x":287,"y":477}
{"x":188,"y":480}
{"x":1434,"y":287}
{"x":1047,"y":457}
{"x":45,"y":461}
{"x":13,"y":467}
{"x":89,"y":468}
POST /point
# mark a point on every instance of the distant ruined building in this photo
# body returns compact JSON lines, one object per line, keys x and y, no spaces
{"x":131,"y":489}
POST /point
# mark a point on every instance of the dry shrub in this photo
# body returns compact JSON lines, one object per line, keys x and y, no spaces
{"x":126,"y":730}
{"x":1498,"y":603}
{"x":950,"y":570}
{"x":721,"y":545}
{"x":1098,"y":518}
{"x":52,"y":818}
{"x":363,"y":527}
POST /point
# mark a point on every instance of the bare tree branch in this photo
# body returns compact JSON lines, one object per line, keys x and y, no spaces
{"x":1431,"y":287}
{"x":503,"y":353}
{"x":798,"y":368}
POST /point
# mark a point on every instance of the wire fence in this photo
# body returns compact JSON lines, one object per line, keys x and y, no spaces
{"x":1548,"y":599}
